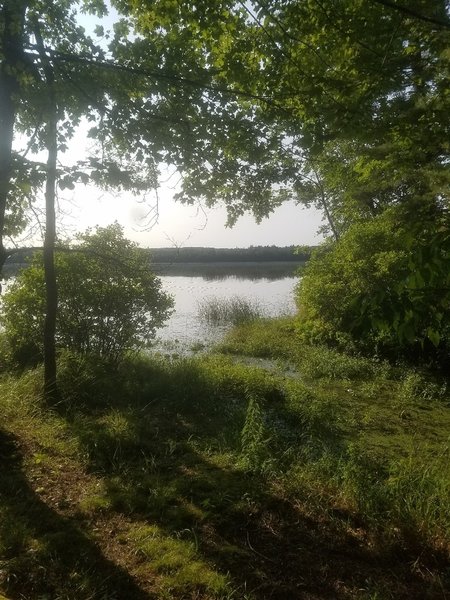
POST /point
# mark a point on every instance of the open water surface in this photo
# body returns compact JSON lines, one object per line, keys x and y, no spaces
{"x":273,"y":293}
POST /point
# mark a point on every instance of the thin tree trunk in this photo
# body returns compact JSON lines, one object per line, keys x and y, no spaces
{"x":325,"y":207}
{"x":11,"y":49}
{"x":327,"y":212}
{"x":51,"y":288}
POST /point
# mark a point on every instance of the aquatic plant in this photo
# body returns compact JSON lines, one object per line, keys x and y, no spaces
{"x":223,"y":311}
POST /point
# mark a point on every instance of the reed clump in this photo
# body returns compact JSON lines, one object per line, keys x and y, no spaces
{"x":224,"y":311}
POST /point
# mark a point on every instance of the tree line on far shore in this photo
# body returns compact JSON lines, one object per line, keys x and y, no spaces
{"x":201,"y":254}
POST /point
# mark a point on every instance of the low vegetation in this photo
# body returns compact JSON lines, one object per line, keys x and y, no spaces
{"x":110,"y":302}
{"x":383,"y":287}
{"x":321,"y":475}
{"x":224,"y":311}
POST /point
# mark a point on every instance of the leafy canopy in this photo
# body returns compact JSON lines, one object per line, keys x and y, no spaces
{"x":342,"y":104}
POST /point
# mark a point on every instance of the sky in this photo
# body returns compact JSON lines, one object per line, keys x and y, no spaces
{"x":175,"y":224}
{"x":179,"y":225}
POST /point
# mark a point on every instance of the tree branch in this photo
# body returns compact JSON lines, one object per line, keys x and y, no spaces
{"x":413,"y":13}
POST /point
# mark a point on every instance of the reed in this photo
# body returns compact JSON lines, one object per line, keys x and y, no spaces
{"x":224,"y":311}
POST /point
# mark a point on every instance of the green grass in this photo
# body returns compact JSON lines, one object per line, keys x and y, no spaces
{"x":224,"y":311}
{"x":211,"y":477}
{"x":392,"y":461}
{"x":276,"y":339}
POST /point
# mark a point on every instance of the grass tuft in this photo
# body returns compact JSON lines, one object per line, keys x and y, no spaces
{"x":177,"y":563}
{"x":234,"y":311}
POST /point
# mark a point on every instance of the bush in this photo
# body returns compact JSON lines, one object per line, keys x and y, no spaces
{"x":385,"y":285}
{"x":109,"y":299}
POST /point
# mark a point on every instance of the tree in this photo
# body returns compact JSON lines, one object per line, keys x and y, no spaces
{"x":349,"y":111}
{"x":63,"y":77}
{"x":11,"y":69}
{"x":42,"y":51}
{"x":110,"y":301}
{"x":343,"y":105}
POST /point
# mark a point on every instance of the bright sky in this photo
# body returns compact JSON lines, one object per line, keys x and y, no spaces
{"x":176,"y":224}
{"x":187,"y":225}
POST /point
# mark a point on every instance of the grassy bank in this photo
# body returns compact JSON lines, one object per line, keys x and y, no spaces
{"x":320,"y":475}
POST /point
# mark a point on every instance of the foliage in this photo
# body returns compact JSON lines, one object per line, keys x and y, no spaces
{"x":341,"y":105}
{"x":110,"y":301}
{"x":385,"y":282}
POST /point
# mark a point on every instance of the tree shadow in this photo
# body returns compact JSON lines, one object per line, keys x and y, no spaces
{"x":158,"y":459}
{"x":46,"y":554}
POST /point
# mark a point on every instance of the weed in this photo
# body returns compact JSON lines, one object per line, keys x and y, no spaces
{"x":253,"y":436}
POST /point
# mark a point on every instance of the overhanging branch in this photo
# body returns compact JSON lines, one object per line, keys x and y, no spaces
{"x":413,"y":13}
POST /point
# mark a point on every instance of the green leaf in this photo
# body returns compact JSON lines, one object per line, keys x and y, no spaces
{"x":434,"y":336}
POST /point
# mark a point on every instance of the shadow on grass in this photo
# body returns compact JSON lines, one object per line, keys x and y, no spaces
{"x":44,"y":554}
{"x":168,"y":450}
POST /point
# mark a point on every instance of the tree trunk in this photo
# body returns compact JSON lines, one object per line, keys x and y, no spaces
{"x":50,"y":391}
{"x":324,"y":204}
{"x":51,"y":288}
{"x":11,"y":50}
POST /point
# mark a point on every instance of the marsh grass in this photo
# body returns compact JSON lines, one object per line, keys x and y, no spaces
{"x":225,"y":311}
{"x":205,"y":478}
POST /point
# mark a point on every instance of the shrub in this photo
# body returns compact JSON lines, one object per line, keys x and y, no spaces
{"x":109,"y":299}
{"x":384,"y":284}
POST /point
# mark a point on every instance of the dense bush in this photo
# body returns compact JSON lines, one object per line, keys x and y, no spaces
{"x":109,"y":299}
{"x":385,"y":284}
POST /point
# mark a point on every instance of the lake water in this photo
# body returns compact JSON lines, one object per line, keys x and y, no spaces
{"x":269,"y":285}
{"x":272,"y":289}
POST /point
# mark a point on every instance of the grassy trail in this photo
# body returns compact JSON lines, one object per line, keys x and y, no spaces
{"x":204,"y":478}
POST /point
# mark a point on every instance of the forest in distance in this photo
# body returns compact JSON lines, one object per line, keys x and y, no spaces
{"x":198,"y":254}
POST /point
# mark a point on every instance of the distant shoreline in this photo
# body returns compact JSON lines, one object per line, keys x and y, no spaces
{"x":230,"y":263}
{"x":209,"y":269}
{"x":201,"y":255}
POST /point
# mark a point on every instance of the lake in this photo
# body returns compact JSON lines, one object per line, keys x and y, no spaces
{"x":270,"y":285}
